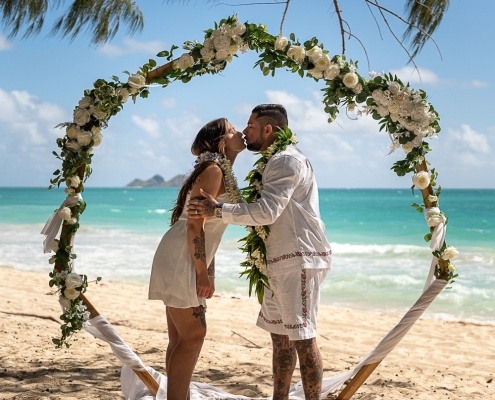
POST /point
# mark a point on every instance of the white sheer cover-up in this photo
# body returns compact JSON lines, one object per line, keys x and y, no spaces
{"x":134,"y":389}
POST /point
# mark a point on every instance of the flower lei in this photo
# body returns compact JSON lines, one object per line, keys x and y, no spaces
{"x":254,"y":242}
{"x":229,"y":180}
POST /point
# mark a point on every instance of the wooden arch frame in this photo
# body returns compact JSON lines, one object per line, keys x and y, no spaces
{"x":344,"y":87}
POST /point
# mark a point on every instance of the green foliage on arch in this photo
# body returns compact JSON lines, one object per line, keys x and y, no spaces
{"x":401,"y":111}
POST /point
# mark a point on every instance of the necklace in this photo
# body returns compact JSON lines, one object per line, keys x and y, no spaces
{"x":254,"y":242}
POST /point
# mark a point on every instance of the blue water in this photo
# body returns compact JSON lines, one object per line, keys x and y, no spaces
{"x":380,"y":258}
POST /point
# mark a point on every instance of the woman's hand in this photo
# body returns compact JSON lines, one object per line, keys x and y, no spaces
{"x":205,"y":285}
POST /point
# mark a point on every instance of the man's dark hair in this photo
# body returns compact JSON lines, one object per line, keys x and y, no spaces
{"x":273,"y":114}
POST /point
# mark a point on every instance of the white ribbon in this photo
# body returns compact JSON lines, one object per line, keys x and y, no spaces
{"x":54,"y":223}
{"x":436,"y":243}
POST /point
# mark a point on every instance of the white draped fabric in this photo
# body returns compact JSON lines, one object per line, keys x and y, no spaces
{"x":134,"y":389}
{"x":52,"y":226}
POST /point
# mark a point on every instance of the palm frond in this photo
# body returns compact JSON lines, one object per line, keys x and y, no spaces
{"x":424,"y":17}
{"x":101,"y":17}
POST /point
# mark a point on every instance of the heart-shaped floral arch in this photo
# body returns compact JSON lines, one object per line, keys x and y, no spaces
{"x":402,"y":112}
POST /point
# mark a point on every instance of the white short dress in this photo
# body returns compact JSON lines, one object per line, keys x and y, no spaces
{"x":173,"y":275}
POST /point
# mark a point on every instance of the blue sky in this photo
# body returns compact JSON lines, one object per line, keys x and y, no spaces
{"x":44,"y":77}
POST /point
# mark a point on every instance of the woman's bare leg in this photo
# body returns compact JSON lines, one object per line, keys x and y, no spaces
{"x":191,"y":328}
{"x":173,"y":338}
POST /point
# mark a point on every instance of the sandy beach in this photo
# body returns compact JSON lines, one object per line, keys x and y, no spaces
{"x":436,"y":360}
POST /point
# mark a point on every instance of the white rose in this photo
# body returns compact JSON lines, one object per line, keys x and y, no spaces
{"x":71,"y":221}
{"x":71,"y":293}
{"x":358,"y":88}
{"x":315,"y":73}
{"x":95,"y":130}
{"x":407,"y":147}
{"x":207,"y":54}
{"x":73,"y":280}
{"x":72,"y":131}
{"x":382,"y":111}
{"x":393,"y":107}
{"x":99,"y":114}
{"x":451,"y":267}
{"x":351,"y":107}
{"x":73,"y":146}
{"x":221,"y":55}
{"x":84,"y":138}
{"x":281,"y":43}
{"x":435,"y":220}
{"x":240,"y":29}
{"x":350,"y":79}
{"x":221,"y":42}
{"x":184,"y":62}
{"x":394,"y":87}
{"x":394,"y":117}
{"x":81,"y":116}
{"x":449,"y":253}
{"x":323,"y":62}
{"x":432,"y":198}
{"x":70,"y":191}
{"x":136,"y":81}
{"x":233,"y":48}
{"x":421,"y":180}
{"x":97,"y":138}
{"x":123,"y":93}
{"x":314,"y":54}
{"x":74,"y":181}
{"x":418,"y":114}
{"x":64,"y":213}
{"x":85,"y":102}
{"x":208,"y":44}
{"x":297,"y":53}
{"x":401,"y":97}
{"x":332,"y":71}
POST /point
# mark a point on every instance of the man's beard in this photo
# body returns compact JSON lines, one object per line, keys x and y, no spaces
{"x":255,"y":146}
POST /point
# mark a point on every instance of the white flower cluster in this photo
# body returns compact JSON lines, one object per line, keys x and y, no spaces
{"x":256,"y":259}
{"x":224,"y":42}
{"x":408,"y":110}
{"x":78,"y":137}
{"x":66,"y":214}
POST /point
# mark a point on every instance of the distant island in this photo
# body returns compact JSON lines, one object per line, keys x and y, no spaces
{"x":158,"y":181}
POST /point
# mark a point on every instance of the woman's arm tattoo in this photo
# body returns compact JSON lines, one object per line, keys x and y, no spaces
{"x":199,"y":246}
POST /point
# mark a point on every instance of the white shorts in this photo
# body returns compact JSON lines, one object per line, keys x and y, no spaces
{"x":290,"y":306}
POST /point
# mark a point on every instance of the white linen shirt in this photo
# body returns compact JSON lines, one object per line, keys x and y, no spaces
{"x":289,"y":207}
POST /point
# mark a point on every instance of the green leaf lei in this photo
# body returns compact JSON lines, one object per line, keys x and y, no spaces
{"x":254,"y":242}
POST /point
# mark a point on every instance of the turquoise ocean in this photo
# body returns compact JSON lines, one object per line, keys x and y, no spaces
{"x":380,"y":260}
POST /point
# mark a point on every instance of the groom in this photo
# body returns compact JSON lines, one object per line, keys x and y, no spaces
{"x":297,"y":251}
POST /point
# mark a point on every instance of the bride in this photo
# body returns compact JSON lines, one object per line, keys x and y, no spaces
{"x":183,"y":271}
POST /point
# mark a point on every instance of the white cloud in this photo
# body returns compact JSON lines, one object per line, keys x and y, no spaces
{"x":131,"y":46}
{"x":468,"y":139}
{"x":4,"y":43}
{"x":27,"y":119}
{"x":416,"y":75}
{"x":28,"y":136}
{"x":169,"y":102}
{"x":150,"y":126}
{"x":479,"y":84}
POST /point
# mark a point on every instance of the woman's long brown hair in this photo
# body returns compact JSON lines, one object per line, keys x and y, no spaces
{"x":210,"y":138}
